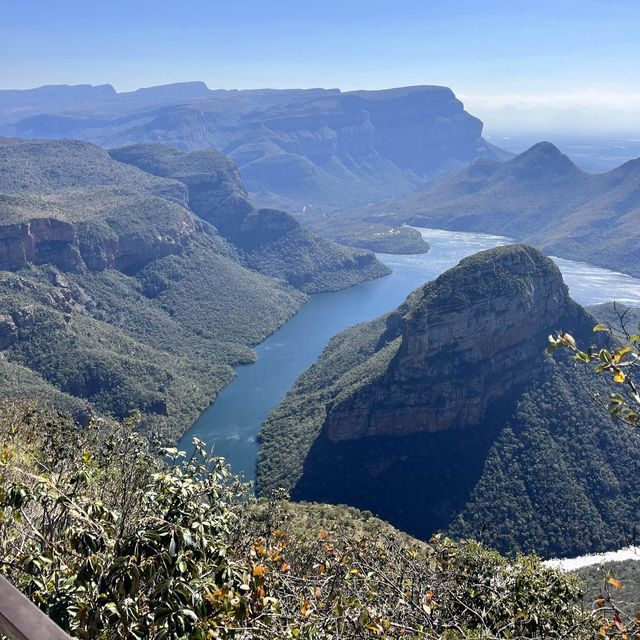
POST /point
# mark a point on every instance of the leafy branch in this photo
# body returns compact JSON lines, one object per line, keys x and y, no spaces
{"x":620,"y":361}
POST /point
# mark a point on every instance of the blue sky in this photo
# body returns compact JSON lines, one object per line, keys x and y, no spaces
{"x":517,"y":64}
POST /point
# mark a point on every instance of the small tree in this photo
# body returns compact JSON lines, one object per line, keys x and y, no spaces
{"x":619,"y":360}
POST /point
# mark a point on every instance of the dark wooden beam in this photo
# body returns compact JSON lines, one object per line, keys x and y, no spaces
{"x":20,"y":619}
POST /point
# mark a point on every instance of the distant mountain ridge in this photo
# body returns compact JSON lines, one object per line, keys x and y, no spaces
{"x":294,"y":147}
{"x":541,"y":197}
{"x":446,"y":415}
{"x":104,"y":99}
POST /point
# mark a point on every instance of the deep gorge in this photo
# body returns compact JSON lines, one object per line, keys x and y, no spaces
{"x":232,"y":423}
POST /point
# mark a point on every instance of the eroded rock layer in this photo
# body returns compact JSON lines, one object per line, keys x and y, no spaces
{"x":466,"y":340}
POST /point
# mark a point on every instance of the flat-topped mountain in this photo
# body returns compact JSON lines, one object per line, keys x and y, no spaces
{"x":441,"y":415}
{"x":294,"y":148}
{"x":118,"y":294}
{"x":539,"y":196}
{"x":309,"y":151}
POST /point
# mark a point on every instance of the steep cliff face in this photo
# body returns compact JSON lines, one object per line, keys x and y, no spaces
{"x":271,"y":241}
{"x":319,"y":131}
{"x":39,"y":240}
{"x":424,"y":129}
{"x":447,"y":415}
{"x":95,"y":244}
{"x":69,"y":204}
{"x":72,"y":205}
{"x":117,"y":243}
{"x":466,"y":340}
{"x":394,"y":138}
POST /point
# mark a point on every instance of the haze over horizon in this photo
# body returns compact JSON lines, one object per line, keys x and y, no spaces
{"x":573,"y":68}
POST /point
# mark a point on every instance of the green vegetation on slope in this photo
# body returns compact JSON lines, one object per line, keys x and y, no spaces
{"x":616,"y":314}
{"x":162,"y":341}
{"x":313,"y":264}
{"x":119,"y":298}
{"x":495,"y":479}
{"x":290,"y":430}
{"x":42,"y":167}
{"x":500,"y":486}
{"x":556,"y":439}
{"x":269,"y":241}
{"x":113,"y":543}
{"x":539,"y":197}
{"x":118,"y":295}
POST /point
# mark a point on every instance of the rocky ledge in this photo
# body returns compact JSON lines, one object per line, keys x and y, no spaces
{"x":74,"y":246}
{"x":463,"y":341}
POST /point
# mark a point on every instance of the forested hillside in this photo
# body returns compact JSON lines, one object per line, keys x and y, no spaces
{"x":540,"y":197}
{"x":271,"y":241}
{"x":447,"y":415}
{"x":134,"y":547}
{"x":116,"y":296}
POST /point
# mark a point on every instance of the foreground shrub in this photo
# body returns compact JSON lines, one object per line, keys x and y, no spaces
{"x":114,"y":543}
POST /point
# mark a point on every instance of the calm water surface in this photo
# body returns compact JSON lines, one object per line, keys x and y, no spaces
{"x":233,"y":421}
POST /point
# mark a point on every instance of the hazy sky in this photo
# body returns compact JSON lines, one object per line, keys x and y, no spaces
{"x":519,"y":65}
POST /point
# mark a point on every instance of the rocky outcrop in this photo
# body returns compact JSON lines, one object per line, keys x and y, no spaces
{"x":466,"y":340}
{"x":39,"y":241}
{"x":128,"y":250}
{"x":75,"y":246}
{"x":75,"y":206}
{"x":262,"y":227}
{"x":270,"y":240}
{"x":446,"y":416}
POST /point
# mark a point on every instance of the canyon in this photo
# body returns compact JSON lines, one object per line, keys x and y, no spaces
{"x":117,"y":296}
{"x":307,"y":151}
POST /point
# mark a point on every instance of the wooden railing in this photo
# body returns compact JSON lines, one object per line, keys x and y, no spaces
{"x":20,"y":619}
